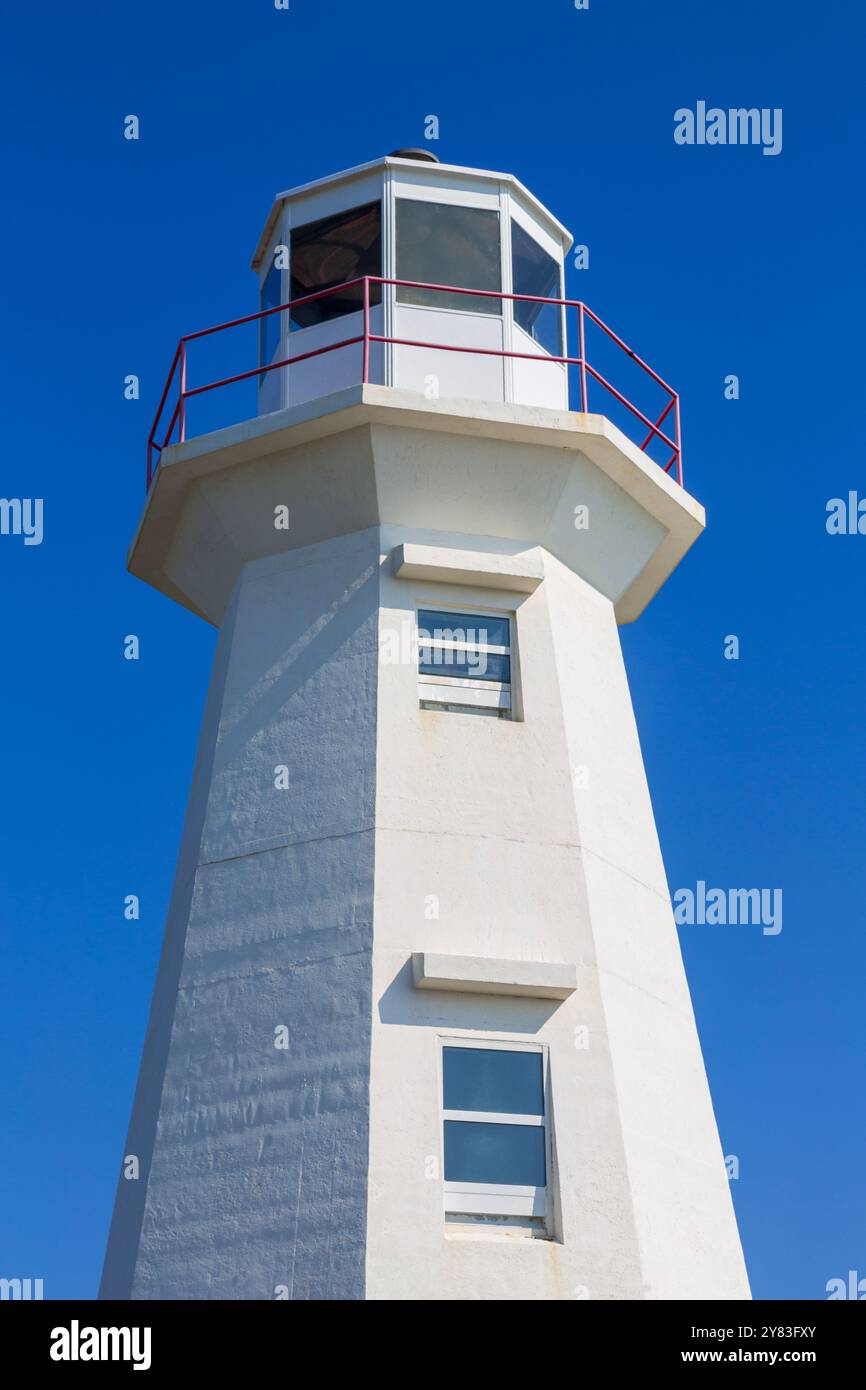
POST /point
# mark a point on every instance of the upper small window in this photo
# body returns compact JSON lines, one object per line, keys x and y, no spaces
{"x":536,"y":273}
{"x":464,"y":660}
{"x":269,"y":328}
{"x":441,"y":244}
{"x":330,"y":252}
{"x":495,"y":1144}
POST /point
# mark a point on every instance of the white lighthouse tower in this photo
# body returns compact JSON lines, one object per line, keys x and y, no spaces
{"x":421,"y":1028}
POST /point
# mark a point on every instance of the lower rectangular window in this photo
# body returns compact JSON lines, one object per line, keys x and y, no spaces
{"x":494,"y":1130}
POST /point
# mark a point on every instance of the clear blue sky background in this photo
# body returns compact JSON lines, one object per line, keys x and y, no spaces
{"x":709,"y":261}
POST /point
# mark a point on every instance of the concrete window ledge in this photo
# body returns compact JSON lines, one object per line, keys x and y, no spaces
{"x":519,"y":573}
{"x":480,"y":975}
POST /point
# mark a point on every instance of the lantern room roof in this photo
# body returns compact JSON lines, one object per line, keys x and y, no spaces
{"x":429,"y":173}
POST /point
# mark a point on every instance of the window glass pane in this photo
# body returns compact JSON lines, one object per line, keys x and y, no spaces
{"x":330,"y":252}
{"x":488,"y":1078}
{"x":463,"y":627}
{"x":494,"y":1153}
{"x":534,"y":272}
{"x":472,"y":665}
{"x":445,"y":245}
{"x":269,"y":328}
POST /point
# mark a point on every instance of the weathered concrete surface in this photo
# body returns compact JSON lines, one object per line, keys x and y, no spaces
{"x":254,"y":1159}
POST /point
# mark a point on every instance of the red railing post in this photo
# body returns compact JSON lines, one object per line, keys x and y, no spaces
{"x":366,"y":373}
{"x":182,"y":417}
{"x":582,"y":350}
{"x":679,"y":439}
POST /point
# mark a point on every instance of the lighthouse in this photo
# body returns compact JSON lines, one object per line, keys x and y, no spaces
{"x":421,"y":1028}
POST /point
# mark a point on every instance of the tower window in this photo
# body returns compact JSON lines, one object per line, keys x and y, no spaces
{"x":494,"y":1130}
{"x":534,"y":272}
{"x":330,"y":252}
{"x":464,"y":661}
{"x":441,"y":244}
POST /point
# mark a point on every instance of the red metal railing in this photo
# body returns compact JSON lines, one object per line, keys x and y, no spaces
{"x":366,"y":337}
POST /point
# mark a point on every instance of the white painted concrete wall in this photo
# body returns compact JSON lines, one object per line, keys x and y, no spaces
{"x":314,"y":1169}
{"x":254,"y":1159}
{"x":486,"y":816}
{"x":311,"y":1168}
{"x":683,"y":1211}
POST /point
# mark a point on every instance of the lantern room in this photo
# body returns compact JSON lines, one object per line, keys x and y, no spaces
{"x":400,"y":272}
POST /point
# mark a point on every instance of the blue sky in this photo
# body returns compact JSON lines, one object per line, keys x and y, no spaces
{"x":709,"y":261}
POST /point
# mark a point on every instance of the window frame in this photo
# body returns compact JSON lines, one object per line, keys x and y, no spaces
{"x":498,"y":1199}
{"x":468,"y":692}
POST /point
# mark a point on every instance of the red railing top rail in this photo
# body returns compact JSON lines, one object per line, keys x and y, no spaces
{"x":366,"y":337}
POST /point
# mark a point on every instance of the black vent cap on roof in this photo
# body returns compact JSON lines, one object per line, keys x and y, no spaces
{"x":425,"y":156}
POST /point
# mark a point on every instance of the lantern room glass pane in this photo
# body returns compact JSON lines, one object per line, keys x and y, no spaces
{"x":445,"y":245}
{"x":534,"y":272}
{"x":493,"y":1080}
{"x":328,"y":253}
{"x":493,"y":1153}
